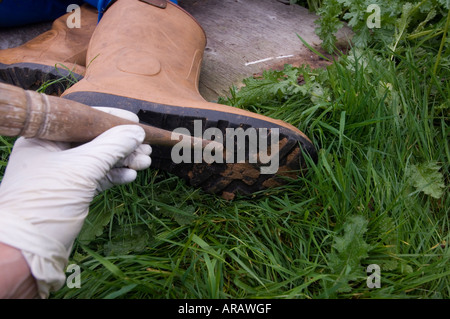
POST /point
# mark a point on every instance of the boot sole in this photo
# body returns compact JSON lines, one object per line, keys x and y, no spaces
{"x":32,"y":76}
{"x":219,"y":178}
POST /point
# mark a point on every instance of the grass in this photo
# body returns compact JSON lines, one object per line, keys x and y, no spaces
{"x":374,"y":121}
{"x":378,"y":195}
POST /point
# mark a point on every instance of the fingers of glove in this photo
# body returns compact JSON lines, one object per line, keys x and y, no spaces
{"x":145,"y":149}
{"x":139,"y":159}
{"x":117,"y":176}
{"x":119,"y":113}
{"x":120,"y":176}
{"x":109,"y":148}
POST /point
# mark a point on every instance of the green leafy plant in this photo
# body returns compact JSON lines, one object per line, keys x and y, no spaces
{"x":348,"y":251}
{"x":427,"y":178}
{"x":399,"y":21}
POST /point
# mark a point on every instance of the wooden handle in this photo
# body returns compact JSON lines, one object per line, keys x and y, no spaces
{"x":31,"y":114}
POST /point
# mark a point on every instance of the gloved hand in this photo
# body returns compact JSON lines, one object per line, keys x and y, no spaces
{"x":47,"y":189}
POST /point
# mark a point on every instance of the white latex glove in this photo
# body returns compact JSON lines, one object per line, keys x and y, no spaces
{"x":47,"y":189}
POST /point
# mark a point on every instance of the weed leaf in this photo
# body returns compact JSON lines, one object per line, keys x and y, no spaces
{"x":348,"y":251}
{"x":427,"y":178}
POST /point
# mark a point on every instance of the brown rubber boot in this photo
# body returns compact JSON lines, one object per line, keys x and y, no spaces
{"x":55,"y":54}
{"x":147,"y":60}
